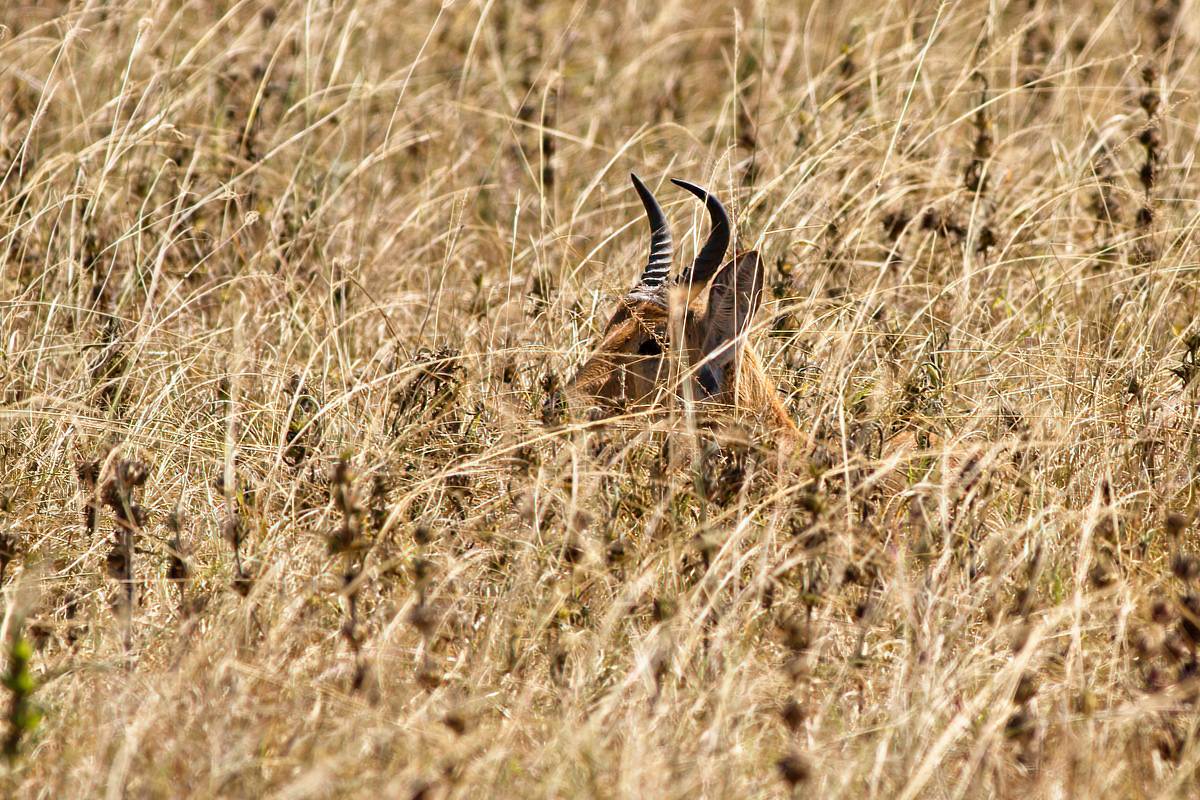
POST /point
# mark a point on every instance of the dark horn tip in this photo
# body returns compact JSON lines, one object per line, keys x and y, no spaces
{"x":699,"y":191}
{"x":710,"y":256}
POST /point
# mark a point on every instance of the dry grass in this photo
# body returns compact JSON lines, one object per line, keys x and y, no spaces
{"x":283,"y":288}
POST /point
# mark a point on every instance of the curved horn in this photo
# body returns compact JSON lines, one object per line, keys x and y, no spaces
{"x":658,"y":267}
{"x":708,"y":260}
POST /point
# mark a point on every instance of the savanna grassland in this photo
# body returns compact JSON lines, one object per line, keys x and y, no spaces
{"x":289,"y":506}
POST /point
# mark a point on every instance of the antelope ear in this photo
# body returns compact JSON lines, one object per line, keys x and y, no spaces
{"x":732,"y":302}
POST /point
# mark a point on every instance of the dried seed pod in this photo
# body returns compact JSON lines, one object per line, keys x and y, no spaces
{"x":794,"y":769}
{"x":1175,"y":524}
{"x":793,"y":714}
{"x":1027,"y":687}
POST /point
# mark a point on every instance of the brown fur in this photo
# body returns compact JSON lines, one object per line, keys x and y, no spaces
{"x":625,"y":373}
{"x":757,"y":394}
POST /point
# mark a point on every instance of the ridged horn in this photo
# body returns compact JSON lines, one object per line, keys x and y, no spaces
{"x":709,"y":259}
{"x":658,"y":267}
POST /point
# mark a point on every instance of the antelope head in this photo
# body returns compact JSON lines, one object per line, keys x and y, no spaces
{"x":686,"y":335}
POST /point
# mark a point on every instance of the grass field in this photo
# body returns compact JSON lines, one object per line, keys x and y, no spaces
{"x":283,"y":290}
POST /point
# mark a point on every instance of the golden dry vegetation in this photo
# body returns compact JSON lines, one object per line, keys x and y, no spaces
{"x":284,"y":289}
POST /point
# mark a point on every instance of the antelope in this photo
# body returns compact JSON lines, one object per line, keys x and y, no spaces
{"x":638,"y":359}
{"x":666,"y":336}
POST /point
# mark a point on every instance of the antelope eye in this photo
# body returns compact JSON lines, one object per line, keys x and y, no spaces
{"x":650,"y":347}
